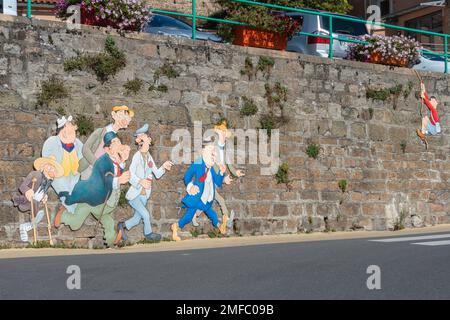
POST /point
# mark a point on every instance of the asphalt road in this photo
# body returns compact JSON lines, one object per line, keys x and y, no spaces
{"x":307,"y":270}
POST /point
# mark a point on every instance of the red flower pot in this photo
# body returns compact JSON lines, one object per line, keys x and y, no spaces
{"x":252,"y":37}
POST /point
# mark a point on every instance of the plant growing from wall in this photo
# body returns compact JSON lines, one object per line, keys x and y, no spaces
{"x":377,"y":94}
{"x":399,"y":223}
{"x":161,"y":88}
{"x":133,"y":86}
{"x":385,"y":94}
{"x":248,"y":68}
{"x":342,"y":185}
{"x":167,"y":70}
{"x":195,"y":233}
{"x":61,"y":111}
{"x":408,"y":89}
{"x":104,"y":65}
{"x":313,"y":150}
{"x":276,"y":96}
{"x":85,"y":125}
{"x":282,"y":175}
{"x":268,"y":122}
{"x":403,"y":146}
{"x":52,"y":90}
{"x":265,"y":65}
{"x":249,"y":107}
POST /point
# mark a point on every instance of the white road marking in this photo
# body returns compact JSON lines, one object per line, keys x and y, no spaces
{"x":438,"y":236}
{"x":434,"y":243}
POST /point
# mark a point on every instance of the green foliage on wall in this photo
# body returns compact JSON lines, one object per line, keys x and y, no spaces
{"x":249,"y":107}
{"x":52,"y":90}
{"x":85,"y":125}
{"x":342,"y":185}
{"x":167,"y":70}
{"x":282,"y":174}
{"x":104,"y":65}
{"x":133,"y":86}
{"x":313,"y":150}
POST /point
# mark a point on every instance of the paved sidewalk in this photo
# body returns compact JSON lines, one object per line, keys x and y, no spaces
{"x":220,"y":243}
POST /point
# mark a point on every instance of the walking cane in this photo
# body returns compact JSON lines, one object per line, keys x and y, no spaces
{"x":49,"y":225}
{"x":32,"y":211}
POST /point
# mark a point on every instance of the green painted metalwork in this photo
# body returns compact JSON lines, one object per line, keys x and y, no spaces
{"x":330,"y":55}
{"x":194,"y":19}
{"x":331,"y":16}
{"x":29,"y":9}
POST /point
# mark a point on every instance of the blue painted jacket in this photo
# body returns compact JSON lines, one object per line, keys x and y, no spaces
{"x":194,"y":173}
{"x":95,"y":190}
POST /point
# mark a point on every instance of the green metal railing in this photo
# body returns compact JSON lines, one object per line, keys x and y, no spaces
{"x":29,"y":9}
{"x":194,"y":17}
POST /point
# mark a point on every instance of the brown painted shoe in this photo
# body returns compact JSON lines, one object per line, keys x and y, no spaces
{"x":118,"y":237}
{"x":223,"y":226}
{"x":174,"y":228}
{"x":421,"y":135}
{"x":57,"y":221}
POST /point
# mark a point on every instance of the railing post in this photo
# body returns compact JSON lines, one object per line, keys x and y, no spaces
{"x":29,"y":9}
{"x":194,"y":19}
{"x":331,"y":38}
{"x":446,"y":53}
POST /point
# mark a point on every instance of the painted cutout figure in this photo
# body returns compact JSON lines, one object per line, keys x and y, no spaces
{"x":33,"y":191}
{"x":99,"y":195}
{"x":223,"y":133}
{"x":430,"y":125}
{"x":201,"y":181}
{"x":67,"y":150}
{"x":93,"y":148}
{"x":142,"y":169}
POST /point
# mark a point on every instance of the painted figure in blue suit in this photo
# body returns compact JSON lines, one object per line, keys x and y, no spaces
{"x":201,"y":181}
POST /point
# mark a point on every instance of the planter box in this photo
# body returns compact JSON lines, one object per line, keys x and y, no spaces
{"x":252,"y":37}
{"x":378,"y":59}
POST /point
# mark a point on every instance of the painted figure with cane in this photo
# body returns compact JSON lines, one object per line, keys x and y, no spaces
{"x":33,"y":191}
{"x":99,"y":195}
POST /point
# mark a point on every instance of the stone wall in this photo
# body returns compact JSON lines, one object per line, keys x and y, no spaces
{"x":369,"y":143}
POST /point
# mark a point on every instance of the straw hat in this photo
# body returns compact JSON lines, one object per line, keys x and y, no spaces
{"x":120,"y":108}
{"x":51,"y":160}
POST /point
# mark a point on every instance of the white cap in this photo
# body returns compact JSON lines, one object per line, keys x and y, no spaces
{"x":62,"y":121}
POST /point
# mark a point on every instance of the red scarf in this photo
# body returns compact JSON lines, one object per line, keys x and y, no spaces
{"x":119,"y":171}
{"x":203,"y":177}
